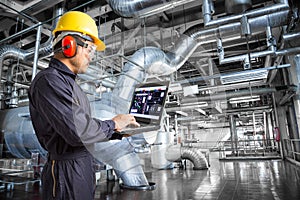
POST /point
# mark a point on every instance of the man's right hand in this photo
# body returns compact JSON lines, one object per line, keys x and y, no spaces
{"x":124,"y":120}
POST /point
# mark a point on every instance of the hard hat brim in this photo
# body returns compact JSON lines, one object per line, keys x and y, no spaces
{"x":100,"y":44}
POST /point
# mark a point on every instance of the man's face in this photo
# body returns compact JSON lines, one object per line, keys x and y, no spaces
{"x":83,"y":57}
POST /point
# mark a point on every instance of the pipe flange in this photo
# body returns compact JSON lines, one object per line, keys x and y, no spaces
{"x":151,"y":186}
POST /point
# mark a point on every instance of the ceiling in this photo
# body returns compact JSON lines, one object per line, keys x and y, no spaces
{"x":206,"y":87}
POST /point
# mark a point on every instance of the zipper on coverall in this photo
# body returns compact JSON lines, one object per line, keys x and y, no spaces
{"x":54,"y":180}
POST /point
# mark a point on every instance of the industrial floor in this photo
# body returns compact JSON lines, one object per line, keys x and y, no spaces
{"x":235,"y":179}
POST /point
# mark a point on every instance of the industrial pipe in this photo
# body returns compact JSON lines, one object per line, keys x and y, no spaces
{"x":282,"y":5}
{"x":176,"y":153}
{"x":142,"y":8}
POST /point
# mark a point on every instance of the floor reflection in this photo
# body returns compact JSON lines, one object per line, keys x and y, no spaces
{"x":234,"y":180}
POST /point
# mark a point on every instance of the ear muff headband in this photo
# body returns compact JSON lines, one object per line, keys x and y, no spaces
{"x":69,"y":46}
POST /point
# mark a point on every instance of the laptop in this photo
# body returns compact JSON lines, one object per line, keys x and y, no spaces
{"x":147,"y":106}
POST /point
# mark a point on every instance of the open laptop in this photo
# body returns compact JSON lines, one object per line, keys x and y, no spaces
{"x":147,"y":106}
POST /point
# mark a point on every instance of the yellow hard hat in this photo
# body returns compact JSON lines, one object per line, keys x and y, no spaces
{"x":79,"y":22}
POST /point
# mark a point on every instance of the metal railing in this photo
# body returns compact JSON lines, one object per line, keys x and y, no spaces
{"x":289,"y":146}
{"x":241,"y":148}
{"x":248,"y":148}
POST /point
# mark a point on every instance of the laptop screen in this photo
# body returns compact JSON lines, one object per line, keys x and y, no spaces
{"x":148,"y":101}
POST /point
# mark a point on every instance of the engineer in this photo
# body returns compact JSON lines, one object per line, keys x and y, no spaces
{"x":61,"y":114}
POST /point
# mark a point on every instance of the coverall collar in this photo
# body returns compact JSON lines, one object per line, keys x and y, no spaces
{"x":62,"y":67}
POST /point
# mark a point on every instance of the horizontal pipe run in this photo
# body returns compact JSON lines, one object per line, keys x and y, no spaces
{"x":243,"y":57}
{"x":291,"y":36}
{"x":288,"y":51}
{"x":254,"y":13}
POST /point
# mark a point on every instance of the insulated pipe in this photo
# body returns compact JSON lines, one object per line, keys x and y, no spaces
{"x":263,"y":20}
{"x":233,"y":134}
{"x":282,"y":5}
{"x":288,"y":51}
{"x":18,"y":132}
{"x":228,"y":95}
{"x":120,"y":155}
{"x":195,"y":156}
{"x":9,"y":51}
{"x":231,"y":31}
{"x":176,"y":153}
{"x":240,"y":73}
{"x":291,"y":36}
{"x":143,"y":8}
{"x":159,"y":148}
{"x":154,"y":62}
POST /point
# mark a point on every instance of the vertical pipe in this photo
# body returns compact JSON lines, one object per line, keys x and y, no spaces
{"x":36,"y":51}
{"x":220,"y":49}
{"x":233,"y":133}
{"x":271,"y":42}
{"x":176,"y":128}
{"x":254,"y":125}
{"x":211,"y":71}
{"x":122,"y":43}
{"x":269,"y":130}
{"x":264,"y":142}
{"x":275,"y":111}
{"x":293,"y":133}
{"x":206,"y":11}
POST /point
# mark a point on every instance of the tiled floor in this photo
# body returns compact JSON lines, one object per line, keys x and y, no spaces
{"x":251,"y":180}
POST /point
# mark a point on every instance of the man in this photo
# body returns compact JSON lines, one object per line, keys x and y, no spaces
{"x":61,"y":115}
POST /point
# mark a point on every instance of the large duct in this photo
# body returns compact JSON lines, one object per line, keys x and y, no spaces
{"x":120,"y":155}
{"x":176,"y":153}
{"x":159,"y":148}
{"x":143,"y":8}
{"x":18,"y":133}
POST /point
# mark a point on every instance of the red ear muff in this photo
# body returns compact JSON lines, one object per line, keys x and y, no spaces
{"x":69,"y":46}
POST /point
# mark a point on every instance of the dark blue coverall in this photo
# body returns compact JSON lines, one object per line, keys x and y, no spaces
{"x":61,"y":117}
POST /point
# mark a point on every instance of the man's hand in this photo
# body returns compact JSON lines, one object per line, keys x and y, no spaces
{"x":123,"y":120}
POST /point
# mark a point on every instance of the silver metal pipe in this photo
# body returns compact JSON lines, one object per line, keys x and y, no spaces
{"x":159,"y":148}
{"x":207,"y":11}
{"x":228,"y":95}
{"x":282,"y":6}
{"x":153,"y":60}
{"x":176,"y":153}
{"x":245,"y":56}
{"x":291,"y":36}
{"x":8,"y":51}
{"x":186,"y":108}
{"x":288,"y":51}
{"x":142,"y":8}
{"x":256,"y":24}
{"x":195,"y":156}
{"x":36,"y":52}
{"x":271,"y":41}
{"x":18,"y":130}
{"x":233,"y":133}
